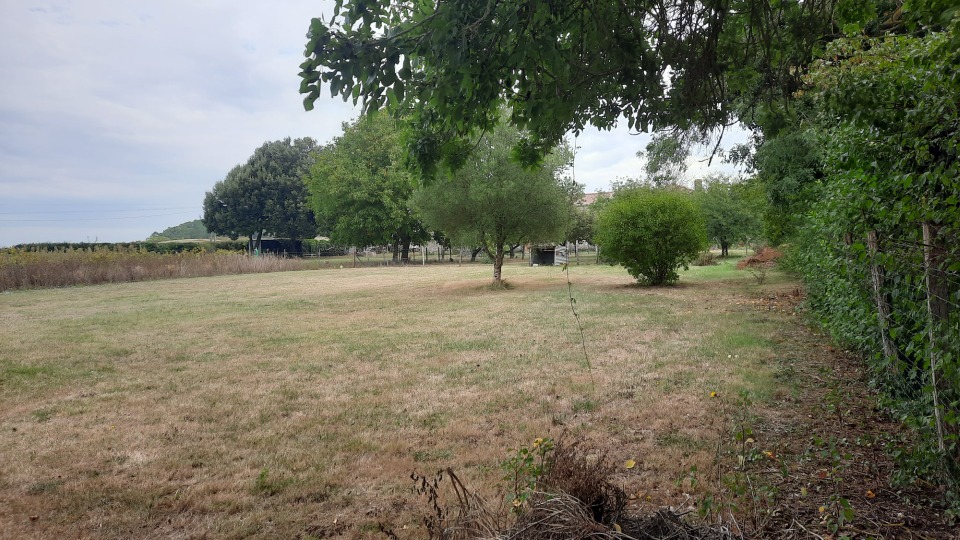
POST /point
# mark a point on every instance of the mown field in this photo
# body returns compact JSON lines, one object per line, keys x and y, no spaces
{"x":296,"y":404}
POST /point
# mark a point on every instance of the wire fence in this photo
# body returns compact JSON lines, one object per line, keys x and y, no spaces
{"x":912,"y":277}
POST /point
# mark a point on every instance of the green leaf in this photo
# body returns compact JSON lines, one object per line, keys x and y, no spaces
{"x":399,"y":90}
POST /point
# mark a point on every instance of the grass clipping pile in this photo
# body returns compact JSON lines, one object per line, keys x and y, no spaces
{"x":573,"y":499}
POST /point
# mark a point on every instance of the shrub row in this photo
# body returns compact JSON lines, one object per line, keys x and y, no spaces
{"x":128,"y":247}
{"x":278,"y":246}
{"x":20,"y":269}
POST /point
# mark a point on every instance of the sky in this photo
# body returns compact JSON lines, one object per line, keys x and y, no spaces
{"x":116,"y":116}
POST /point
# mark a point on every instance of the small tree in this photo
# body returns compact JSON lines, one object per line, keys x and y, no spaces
{"x":494,"y":202}
{"x":729,"y":214}
{"x":651,"y":233}
{"x":582,"y":225}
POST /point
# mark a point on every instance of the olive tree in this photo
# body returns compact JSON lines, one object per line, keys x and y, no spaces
{"x":495,"y":202}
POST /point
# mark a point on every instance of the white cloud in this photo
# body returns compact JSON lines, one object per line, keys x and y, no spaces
{"x":112,"y":105}
{"x":606,"y":156}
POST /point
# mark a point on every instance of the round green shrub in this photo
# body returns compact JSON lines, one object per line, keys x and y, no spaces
{"x":651,"y":233}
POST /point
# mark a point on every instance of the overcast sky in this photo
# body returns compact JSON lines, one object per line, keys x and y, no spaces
{"x":116,"y":116}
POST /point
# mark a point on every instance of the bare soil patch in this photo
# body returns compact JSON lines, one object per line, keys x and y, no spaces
{"x":828,"y":440}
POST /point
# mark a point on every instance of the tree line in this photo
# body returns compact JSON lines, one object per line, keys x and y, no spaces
{"x":360,"y":190}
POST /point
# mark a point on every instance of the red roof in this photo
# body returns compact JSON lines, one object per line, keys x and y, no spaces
{"x":590,"y":198}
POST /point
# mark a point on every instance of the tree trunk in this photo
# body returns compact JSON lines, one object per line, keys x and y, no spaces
{"x":660,"y":275}
{"x":724,"y":247}
{"x":934,"y":259}
{"x":404,"y":250}
{"x":253,"y":246}
{"x":474,"y":252}
{"x":883,"y":307}
{"x":498,"y":265}
{"x":396,"y":251}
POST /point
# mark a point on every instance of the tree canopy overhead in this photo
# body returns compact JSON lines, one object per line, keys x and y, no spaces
{"x":561,"y":66}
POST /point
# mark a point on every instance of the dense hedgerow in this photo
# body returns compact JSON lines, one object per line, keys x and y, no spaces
{"x":880,"y":249}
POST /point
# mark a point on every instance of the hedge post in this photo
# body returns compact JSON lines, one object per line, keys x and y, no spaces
{"x":883,"y":308}
{"x":934,"y":255}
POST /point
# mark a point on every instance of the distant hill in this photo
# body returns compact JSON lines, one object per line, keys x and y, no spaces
{"x":184,"y":231}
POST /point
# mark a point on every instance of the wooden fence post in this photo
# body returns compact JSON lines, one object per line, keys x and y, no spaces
{"x":883,"y":308}
{"x":934,"y":257}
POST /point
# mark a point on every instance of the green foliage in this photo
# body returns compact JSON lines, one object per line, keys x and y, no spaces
{"x":524,"y":469}
{"x":582,"y":226}
{"x":560,"y":66}
{"x":184,"y":231}
{"x":266,"y":194}
{"x":705,"y":258}
{"x":360,"y":188}
{"x":188,"y":247}
{"x":651,"y":233}
{"x":729,"y":212}
{"x":885,"y":130}
{"x":666,"y":158}
{"x":493,"y":201}
{"x":789,"y":167}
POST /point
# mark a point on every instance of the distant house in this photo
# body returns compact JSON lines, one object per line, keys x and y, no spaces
{"x":556,"y":254}
{"x":590,"y":198}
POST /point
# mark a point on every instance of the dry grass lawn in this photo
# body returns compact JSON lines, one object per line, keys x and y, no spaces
{"x":295,"y":405}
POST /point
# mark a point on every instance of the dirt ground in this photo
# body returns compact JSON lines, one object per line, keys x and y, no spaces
{"x":831,"y":442}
